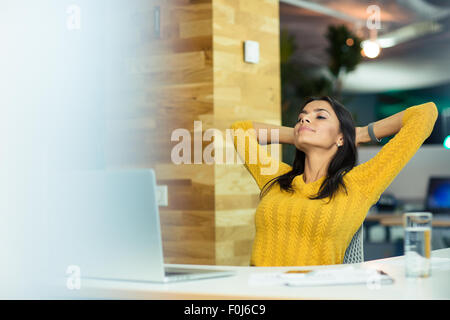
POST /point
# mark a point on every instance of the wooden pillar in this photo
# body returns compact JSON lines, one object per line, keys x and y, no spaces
{"x":242,"y":91}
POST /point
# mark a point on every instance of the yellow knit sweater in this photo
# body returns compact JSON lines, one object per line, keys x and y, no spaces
{"x":292,"y":230}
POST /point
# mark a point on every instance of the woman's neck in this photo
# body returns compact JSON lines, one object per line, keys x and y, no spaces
{"x":315,"y":167}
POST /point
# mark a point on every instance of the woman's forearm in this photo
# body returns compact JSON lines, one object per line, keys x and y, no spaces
{"x":382,"y":128}
{"x":285,"y":134}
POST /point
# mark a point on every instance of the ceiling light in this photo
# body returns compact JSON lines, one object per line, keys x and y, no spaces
{"x":386,"y":42}
{"x":371,"y":48}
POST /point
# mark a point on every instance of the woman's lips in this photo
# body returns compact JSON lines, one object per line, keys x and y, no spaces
{"x":305,"y":129}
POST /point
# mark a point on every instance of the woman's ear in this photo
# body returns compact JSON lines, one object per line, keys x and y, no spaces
{"x":340,"y":141}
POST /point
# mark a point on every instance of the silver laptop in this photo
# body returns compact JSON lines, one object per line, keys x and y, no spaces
{"x":106,"y":225}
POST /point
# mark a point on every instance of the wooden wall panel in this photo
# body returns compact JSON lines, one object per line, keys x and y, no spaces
{"x":176,"y":77}
{"x":242,"y":91}
{"x":183,"y":96}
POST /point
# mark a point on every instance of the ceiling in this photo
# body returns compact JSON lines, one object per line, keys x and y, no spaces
{"x":421,"y":62}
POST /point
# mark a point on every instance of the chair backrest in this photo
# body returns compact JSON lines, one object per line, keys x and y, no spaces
{"x":355,"y":250}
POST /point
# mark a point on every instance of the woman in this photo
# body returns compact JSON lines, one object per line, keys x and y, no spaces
{"x":310,"y":211}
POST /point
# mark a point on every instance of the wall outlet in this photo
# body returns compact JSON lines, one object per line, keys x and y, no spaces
{"x":162,"y":196}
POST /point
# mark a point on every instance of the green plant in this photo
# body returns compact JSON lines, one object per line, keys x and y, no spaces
{"x":344,"y":49}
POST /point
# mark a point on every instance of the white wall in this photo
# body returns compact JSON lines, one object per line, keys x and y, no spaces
{"x":412,"y":181}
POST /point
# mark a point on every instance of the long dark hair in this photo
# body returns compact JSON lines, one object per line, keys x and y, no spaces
{"x":343,"y":161}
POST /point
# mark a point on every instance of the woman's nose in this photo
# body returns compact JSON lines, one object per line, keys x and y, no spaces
{"x":304,"y":119}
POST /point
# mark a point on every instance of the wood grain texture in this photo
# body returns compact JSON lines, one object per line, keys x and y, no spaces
{"x":242,"y":91}
{"x":175,"y":76}
{"x":195,"y":71}
{"x":182,"y":94}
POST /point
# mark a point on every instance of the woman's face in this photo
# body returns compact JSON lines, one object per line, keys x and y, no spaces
{"x":317,"y":127}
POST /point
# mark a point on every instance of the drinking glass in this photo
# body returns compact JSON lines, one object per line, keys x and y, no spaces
{"x":417,"y":245}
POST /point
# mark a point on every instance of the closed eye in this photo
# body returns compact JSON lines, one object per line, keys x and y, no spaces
{"x":318,"y":117}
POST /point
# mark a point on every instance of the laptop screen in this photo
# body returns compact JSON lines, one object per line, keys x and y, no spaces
{"x":438,"y":195}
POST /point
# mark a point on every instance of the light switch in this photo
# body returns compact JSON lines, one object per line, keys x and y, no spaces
{"x":251,"y":51}
{"x":157,"y":21}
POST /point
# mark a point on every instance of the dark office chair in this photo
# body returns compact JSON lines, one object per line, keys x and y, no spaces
{"x":355,"y":250}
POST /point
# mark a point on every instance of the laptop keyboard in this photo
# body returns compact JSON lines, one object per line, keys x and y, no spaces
{"x":183,"y":271}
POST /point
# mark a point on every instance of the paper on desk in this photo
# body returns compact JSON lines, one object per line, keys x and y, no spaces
{"x":342,"y":276}
{"x":335,"y":276}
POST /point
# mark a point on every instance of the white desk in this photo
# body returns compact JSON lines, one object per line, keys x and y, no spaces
{"x":236,"y":287}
